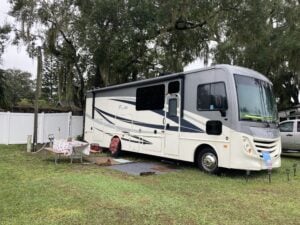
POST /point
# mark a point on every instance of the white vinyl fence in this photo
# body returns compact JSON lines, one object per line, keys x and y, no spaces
{"x":15,"y":127}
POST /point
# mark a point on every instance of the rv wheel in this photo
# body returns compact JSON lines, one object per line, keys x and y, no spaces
{"x":207,"y":161}
{"x":115,"y":147}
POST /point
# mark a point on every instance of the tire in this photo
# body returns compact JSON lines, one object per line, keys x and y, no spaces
{"x":115,"y":147}
{"x":207,"y":161}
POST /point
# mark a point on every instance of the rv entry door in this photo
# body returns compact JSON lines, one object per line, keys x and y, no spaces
{"x":172,"y":124}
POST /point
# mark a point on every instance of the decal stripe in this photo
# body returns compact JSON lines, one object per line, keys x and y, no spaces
{"x":101,"y":114}
{"x":145,"y":142}
{"x":124,"y":101}
{"x":104,"y":132}
{"x":154,"y":126}
{"x":186,"y":126}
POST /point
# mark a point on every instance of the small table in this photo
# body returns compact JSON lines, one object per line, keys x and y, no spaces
{"x":73,"y":149}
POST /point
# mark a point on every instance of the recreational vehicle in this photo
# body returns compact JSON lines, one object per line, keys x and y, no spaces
{"x":218,"y":117}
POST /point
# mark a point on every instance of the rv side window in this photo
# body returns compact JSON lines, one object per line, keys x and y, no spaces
{"x":211,"y":97}
{"x":150,"y":98}
{"x":173,"y":87}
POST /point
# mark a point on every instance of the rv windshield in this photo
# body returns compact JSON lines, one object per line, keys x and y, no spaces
{"x":255,"y":99}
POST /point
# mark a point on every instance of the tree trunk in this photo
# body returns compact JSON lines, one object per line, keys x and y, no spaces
{"x":81,"y":89}
{"x":37,"y":96}
{"x":70,"y":88}
{"x":104,"y":73}
{"x":61,"y":85}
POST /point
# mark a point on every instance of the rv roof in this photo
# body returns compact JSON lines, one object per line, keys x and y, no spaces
{"x":232,"y":69}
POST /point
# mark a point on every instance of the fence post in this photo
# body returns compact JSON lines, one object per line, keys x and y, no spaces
{"x":70,"y":124}
{"x":8,"y":127}
{"x":29,"y":143}
{"x":41,"y":127}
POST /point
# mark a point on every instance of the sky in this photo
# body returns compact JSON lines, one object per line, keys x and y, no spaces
{"x":16,"y":57}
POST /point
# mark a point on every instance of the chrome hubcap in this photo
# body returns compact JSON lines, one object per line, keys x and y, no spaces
{"x":209,"y":161}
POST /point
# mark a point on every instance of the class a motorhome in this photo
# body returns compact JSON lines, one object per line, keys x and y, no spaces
{"x":218,"y":117}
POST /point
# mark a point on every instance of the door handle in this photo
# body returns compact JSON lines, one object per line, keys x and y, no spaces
{"x":289,"y":135}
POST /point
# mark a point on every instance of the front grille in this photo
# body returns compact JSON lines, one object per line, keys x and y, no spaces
{"x":270,"y":146}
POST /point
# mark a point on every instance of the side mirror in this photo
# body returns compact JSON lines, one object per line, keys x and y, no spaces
{"x":214,"y":127}
{"x":220,"y":103}
{"x":223,"y":112}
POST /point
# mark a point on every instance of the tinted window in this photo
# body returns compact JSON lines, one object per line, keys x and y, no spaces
{"x":173,"y":87}
{"x":286,"y":127}
{"x":172,"y":107}
{"x":211,"y":97}
{"x":298,"y":127}
{"x":150,"y":98}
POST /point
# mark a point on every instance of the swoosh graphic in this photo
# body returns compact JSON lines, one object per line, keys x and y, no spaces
{"x":185,"y":125}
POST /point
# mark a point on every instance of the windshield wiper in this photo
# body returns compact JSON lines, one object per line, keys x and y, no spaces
{"x":251,"y":117}
{"x":267,"y":123}
{"x":258,"y":118}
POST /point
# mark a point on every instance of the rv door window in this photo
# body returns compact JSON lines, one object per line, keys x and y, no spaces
{"x":173,"y":87}
{"x":211,"y":97}
{"x":150,"y":98}
{"x":172,"y":107}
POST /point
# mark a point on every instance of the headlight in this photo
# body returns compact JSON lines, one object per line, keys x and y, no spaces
{"x":247,"y":145}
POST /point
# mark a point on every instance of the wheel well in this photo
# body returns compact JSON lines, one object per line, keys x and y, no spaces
{"x":116,"y":136}
{"x":201,"y":148}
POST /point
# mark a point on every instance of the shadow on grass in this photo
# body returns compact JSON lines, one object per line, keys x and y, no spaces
{"x":177,"y":164}
{"x":291,"y":154}
{"x":229,"y":173}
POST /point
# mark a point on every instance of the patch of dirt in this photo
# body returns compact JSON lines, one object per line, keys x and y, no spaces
{"x":163,"y":168}
{"x":101,"y":161}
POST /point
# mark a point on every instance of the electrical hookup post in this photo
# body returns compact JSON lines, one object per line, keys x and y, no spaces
{"x":268,"y":162}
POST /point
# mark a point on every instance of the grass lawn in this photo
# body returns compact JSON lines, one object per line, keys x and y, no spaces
{"x":34,"y":190}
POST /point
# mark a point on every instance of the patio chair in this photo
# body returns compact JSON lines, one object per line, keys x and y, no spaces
{"x":78,"y":152}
